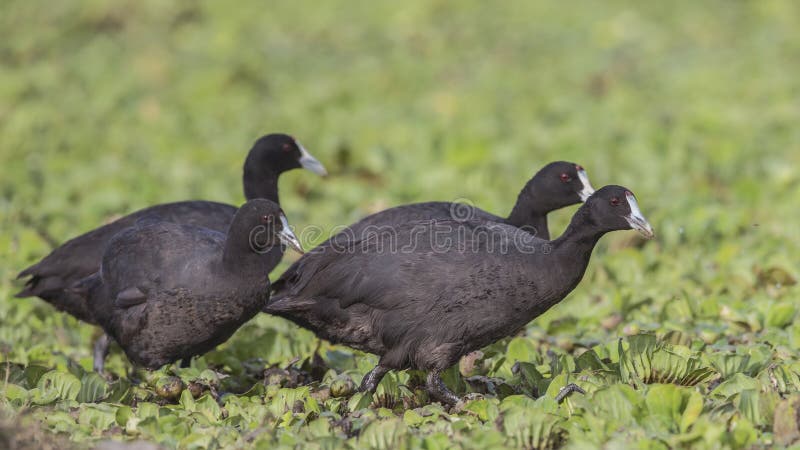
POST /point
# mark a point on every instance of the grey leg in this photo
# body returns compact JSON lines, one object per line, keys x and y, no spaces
{"x":438,"y":390}
{"x":567,"y":390}
{"x":100,"y":352}
{"x":373,"y":378}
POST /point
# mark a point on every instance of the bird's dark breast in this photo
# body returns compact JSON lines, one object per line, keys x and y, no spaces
{"x":179,"y":325}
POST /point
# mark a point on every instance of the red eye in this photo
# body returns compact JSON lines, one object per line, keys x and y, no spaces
{"x":614,"y":201}
{"x":266,"y":219}
{"x":287,"y":147}
{"x":565,"y":178}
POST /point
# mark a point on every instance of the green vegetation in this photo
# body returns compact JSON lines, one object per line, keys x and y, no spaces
{"x":686,"y":341}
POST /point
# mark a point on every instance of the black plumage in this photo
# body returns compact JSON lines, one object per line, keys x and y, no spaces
{"x":52,"y":277}
{"x":433,"y":291}
{"x":554,"y":186}
{"x":168,"y":291}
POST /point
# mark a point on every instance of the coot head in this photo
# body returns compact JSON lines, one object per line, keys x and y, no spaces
{"x":564,"y":182}
{"x":281,"y":152}
{"x":615,"y":208}
{"x":265,"y":225}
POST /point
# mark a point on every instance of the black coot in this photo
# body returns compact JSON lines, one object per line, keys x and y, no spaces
{"x":169,"y":291}
{"x":442,"y":289}
{"x":554,"y":186}
{"x":51,"y":278}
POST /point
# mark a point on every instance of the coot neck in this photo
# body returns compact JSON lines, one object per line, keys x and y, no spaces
{"x":529,"y":213}
{"x":245,"y":251}
{"x":533,"y":222}
{"x":261,"y":183}
{"x":573,"y":249}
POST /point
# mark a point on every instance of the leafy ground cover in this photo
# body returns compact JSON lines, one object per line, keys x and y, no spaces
{"x":686,"y":341}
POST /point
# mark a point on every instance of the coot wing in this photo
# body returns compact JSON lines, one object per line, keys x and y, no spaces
{"x":158,"y":255}
{"x":131,"y":296}
{"x":387,"y":274}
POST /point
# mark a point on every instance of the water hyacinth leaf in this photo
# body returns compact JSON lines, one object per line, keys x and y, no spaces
{"x":672,"y":407}
{"x":384,"y":434}
{"x":98,"y":417}
{"x":781,"y":315}
{"x":15,"y":393}
{"x":32,"y":375}
{"x":484,"y":409}
{"x":412,"y":418}
{"x":561,"y":364}
{"x":736,"y":384}
{"x":636,"y":358}
{"x":780,"y":378}
{"x":93,"y":388}
{"x":619,"y":402}
{"x":589,"y":360}
{"x":359,"y":401}
{"x":14,"y":374}
{"x":757,"y":406}
{"x":187,"y":401}
{"x":123,"y":415}
{"x":532,"y":428}
{"x":786,"y":427}
{"x":647,"y":360}
{"x":54,"y":386}
{"x":286,"y":399}
{"x":145,"y":410}
{"x":208,"y":407}
{"x":521,"y":350}
{"x":728,"y":364}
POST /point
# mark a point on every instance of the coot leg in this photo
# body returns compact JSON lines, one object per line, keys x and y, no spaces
{"x":438,"y":390}
{"x":100,"y":352}
{"x":567,"y":390}
{"x":373,"y":378}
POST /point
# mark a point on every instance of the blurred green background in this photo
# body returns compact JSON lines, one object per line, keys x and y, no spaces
{"x":107,"y":107}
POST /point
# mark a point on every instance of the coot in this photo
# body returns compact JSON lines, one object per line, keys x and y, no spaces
{"x":554,"y":186}
{"x":80,"y":257}
{"x":432,"y":291}
{"x":168,"y":291}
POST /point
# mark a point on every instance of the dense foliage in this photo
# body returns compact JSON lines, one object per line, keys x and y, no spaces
{"x":688,"y":340}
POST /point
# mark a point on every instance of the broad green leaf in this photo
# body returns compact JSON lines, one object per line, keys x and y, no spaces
{"x":673,"y":407}
{"x":98,"y":417}
{"x":736,"y":384}
{"x":14,"y":392}
{"x":54,"y":386}
{"x":412,"y":418}
{"x":93,"y":388}
{"x":780,"y":315}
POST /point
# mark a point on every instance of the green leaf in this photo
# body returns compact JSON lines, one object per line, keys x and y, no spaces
{"x":54,"y":386}
{"x":736,"y":384}
{"x":520,"y":349}
{"x":384,"y":434}
{"x":208,"y":407}
{"x":485,"y":410}
{"x":781,"y":315}
{"x":590,"y":361}
{"x":16,"y":393}
{"x":673,"y":407}
{"x":619,"y":402}
{"x":98,"y":417}
{"x":93,"y":388}
{"x":412,"y":418}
